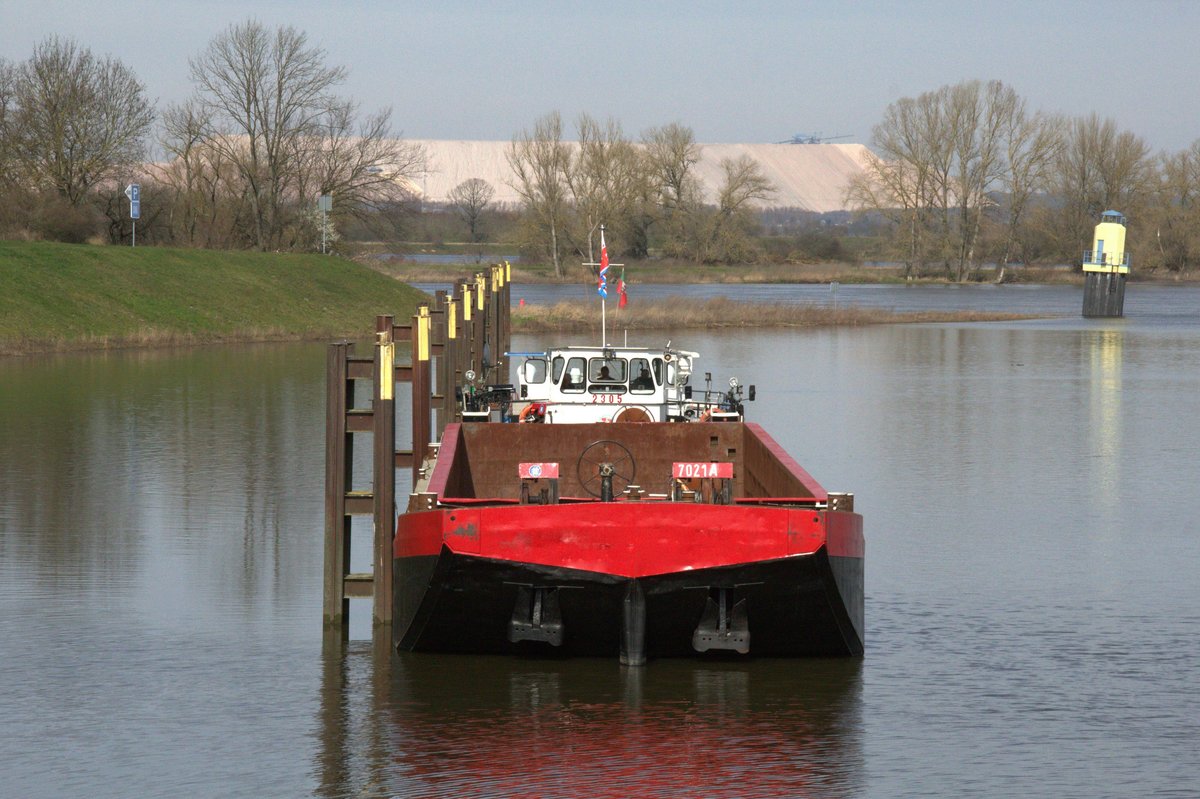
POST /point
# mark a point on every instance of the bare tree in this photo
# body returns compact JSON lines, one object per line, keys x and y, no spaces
{"x":944,"y":156}
{"x":7,"y":114}
{"x":541,"y":161}
{"x":1032,"y":144}
{"x":726,"y":235}
{"x":1175,"y":216}
{"x":910,"y":179}
{"x":1099,"y":167}
{"x":672,"y":154}
{"x":366,"y":171}
{"x":263,"y":93}
{"x":267,"y":99}
{"x":609,"y":184}
{"x":470,"y":200}
{"x":75,"y":120}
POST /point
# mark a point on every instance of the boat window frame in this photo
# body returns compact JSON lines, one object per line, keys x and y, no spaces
{"x":643,"y":363}
{"x":556,"y":369}
{"x":582,"y":385}
{"x":611,"y":385}
{"x":544,"y":371}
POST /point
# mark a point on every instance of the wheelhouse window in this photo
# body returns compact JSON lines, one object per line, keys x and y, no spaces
{"x":556,"y":368}
{"x":641,"y":382}
{"x":534,"y":370}
{"x":608,"y":375}
{"x":572,"y":382}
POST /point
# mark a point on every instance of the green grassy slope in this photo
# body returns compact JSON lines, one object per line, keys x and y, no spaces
{"x":63,"y":296}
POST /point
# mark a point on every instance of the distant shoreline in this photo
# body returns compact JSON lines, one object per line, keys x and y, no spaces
{"x":670,"y":272}
{"x":722,"y":313}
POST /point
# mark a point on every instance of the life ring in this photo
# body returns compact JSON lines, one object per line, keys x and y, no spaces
{"x":632,"y":413}
{"x":706,"y":416}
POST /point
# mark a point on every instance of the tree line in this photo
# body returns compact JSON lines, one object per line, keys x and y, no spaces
{"x":968,"y":174}
{"x":960,"y":176}
{"x":262,"y":136}
{"x":644,"y":192}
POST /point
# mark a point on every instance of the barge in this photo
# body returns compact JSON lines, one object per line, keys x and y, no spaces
{"x":602,"y":507}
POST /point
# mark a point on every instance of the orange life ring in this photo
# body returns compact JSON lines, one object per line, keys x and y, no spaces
{"x":526,"y":412}
{"x":704,"y":417}
{"x":632,"y":413}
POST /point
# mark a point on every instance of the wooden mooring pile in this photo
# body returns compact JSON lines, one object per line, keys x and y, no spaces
{"x":466,"y":329}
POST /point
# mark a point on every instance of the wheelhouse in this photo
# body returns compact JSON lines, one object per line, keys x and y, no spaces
{"x":614,"y":384}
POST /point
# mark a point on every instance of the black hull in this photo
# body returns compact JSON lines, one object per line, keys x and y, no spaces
{"x":808,"y":605}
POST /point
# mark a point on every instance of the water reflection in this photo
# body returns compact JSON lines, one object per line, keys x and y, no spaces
{"x":1106,"y":348}
{"x":470,"y":726}
{"x":134,"y":473}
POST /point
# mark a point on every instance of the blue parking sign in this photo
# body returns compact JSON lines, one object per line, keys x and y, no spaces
{"x":134,"y":192}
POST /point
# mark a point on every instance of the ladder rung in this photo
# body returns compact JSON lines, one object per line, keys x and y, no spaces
{"x":360,"y":503}
{"x":358,"y":584}
{"x":360,"y":420}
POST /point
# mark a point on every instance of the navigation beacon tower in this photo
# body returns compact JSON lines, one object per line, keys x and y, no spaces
{"x":1105,"y":268}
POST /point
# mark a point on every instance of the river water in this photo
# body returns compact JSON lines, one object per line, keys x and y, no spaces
{"x":1029,"y":491}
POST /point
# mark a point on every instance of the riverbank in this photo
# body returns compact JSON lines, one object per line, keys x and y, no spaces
{"x":674,"y":272}
{"x":676,"y":313}
{"x":59,"y":297}
{"x":74,"y":297}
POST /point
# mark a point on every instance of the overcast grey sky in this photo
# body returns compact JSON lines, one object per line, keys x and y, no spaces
{"x":750,"y":71}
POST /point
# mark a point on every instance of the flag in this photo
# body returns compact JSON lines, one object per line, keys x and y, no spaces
{"x":621,"y":290}
{"x":602,"y":285}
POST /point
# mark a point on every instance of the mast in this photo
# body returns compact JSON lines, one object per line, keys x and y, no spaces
{"x":602,"y":287}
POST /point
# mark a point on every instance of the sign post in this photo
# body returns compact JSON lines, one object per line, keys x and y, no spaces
{"x":325,"y":204}
{"x":134,"y":192}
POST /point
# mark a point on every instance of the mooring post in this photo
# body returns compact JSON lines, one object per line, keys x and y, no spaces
{"x":450,"y":367}
{"x":420,"y":389}
{"x":384,"y":415}
{"x":482,"y":346}
{"x":467,"y":354}
{"x":438,"y":347}
{"x":494,"y":328}
{"x":506,"y":315}
{"x":338,"y":459}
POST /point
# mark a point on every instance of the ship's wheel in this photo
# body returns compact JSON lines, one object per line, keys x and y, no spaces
{"x":604,"y":458}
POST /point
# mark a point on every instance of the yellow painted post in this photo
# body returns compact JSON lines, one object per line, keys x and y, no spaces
{"x":420,"y":389}
{"x":384,"y":468}
{"x":450,"y":364}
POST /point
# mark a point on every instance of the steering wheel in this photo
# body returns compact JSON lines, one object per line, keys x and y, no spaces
{"x":599,"y":454}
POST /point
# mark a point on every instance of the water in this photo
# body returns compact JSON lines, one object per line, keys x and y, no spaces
{"x":1029,"y":494}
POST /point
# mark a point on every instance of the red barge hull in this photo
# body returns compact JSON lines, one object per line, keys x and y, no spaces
{"x":770,"y":568}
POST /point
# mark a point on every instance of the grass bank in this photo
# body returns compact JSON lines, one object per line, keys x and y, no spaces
{"x":680,"y":313}
{"x":63,"y":296}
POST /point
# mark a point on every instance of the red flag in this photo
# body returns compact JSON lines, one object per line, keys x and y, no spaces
{"x":602,"y":280}
{"x":621,"y":290}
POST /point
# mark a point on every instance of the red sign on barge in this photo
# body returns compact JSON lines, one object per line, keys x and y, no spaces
{"x":651,"y":539}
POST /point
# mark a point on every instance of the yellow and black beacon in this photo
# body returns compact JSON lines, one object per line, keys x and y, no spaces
{"x":1106,"y":268}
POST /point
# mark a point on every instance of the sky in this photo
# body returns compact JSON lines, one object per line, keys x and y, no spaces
{"x":748,"y":71}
